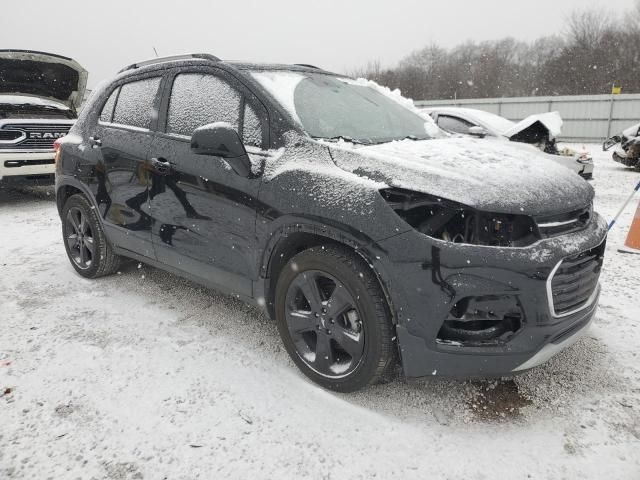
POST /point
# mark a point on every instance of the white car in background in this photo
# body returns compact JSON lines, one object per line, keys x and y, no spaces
{"x":39,"y":97}
{"x":536,"y":131}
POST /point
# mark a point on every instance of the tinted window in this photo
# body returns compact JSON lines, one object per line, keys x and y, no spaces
{"x":198,"y":99}
{"x":135,"y":103}
{"x":454,"y":124}
{"x":107,"y":109}
{"x":252,"y":127}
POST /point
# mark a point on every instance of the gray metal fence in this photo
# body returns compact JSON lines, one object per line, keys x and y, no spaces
{"x":587,"y":118}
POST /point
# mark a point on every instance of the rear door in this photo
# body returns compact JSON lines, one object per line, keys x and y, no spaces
{"x":204,"y":213}
{"x":121,"y":141}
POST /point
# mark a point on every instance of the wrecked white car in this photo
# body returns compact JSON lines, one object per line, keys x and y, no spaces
{"x":628,"y":151}
{"x":540,"y":131}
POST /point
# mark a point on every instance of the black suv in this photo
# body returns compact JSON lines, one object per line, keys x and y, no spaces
{"x":328,"y":202}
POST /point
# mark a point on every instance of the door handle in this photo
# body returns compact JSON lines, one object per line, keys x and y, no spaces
{"x":161,"y":166}
{"x":95,"y":141}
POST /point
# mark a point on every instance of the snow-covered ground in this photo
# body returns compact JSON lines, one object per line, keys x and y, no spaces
{"x":146,"y":375}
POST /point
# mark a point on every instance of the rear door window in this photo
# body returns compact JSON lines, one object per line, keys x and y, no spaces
{"x":135,"y":106}
{"x":198,"y":99}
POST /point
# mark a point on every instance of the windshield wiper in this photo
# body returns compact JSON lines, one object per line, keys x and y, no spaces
{"x":345,"y":138}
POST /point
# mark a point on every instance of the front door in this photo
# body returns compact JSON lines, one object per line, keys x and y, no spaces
{"x":204,"y":214}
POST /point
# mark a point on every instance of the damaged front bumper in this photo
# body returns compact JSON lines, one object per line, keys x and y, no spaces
{"x":465,"y":310}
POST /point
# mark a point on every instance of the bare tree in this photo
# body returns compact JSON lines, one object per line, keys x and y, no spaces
{"x":587,"y":27}
{"x":595,"y":52}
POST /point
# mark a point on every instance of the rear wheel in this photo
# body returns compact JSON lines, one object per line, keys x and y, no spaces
{"x":333,"y":319}
{"x":84,"y":240}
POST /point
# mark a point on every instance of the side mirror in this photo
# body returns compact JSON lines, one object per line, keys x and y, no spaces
{"x":610,"y":142}
{"x":221,"y":140}
{"x":477,"y":131}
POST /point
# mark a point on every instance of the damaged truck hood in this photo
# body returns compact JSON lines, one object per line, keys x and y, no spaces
{"x":551,"y":122}
{"x":485,"y":175}
{"x":42,"y":75}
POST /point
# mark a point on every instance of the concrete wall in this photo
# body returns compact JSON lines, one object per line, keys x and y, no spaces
{"x":587,"y":118}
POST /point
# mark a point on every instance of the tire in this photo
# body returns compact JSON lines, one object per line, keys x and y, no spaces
{"x":339,"y":334}
{"x":88,"y":250}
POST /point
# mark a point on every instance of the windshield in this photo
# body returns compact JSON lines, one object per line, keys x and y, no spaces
{"x":335,"y":108}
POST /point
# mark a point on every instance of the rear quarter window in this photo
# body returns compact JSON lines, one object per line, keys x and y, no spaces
{"x":135,"y":105}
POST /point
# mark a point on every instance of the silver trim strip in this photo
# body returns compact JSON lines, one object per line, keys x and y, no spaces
{"x":552,"y":307}
{"x":552,"y":349}
{"x":558,"y":224}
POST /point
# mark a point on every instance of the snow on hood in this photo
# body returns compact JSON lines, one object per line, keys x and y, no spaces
{"x":43,"y":75}
{"x":490,"y":176}
{"x":632,"y":132}
{"x":551,"y":120}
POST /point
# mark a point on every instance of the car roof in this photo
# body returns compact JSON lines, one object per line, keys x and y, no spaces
{"x":208,"y":59}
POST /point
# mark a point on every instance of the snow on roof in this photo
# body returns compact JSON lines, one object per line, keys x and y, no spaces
{"x":282,"y":85}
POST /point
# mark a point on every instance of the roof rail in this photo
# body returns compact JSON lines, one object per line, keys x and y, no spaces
{"x":187,"y":56}
{"x":306,"y":65}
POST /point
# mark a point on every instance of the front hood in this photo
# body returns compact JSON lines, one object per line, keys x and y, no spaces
{"x":42,"y":75}
{"x":491,"y":176}
{"x":551,"y":122}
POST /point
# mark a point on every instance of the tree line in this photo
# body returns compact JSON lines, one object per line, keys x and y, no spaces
{"x":597,"y":49}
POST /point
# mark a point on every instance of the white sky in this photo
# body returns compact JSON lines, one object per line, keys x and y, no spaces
{"x":338,"y":35}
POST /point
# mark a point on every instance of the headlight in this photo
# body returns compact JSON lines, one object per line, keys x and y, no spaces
{"x":454,"y":222}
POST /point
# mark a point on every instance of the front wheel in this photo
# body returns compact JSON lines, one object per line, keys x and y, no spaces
{"x":333,"y":319}
{"x":84,"y":240}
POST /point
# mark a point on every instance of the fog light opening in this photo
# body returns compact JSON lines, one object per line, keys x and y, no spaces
{"x":481,"y":321}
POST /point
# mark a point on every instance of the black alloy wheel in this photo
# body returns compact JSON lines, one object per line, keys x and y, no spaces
{"x":324,"y":324}
{"x":87,"y":247}
{"x":80,"y":241}
{"x":334,"y":320}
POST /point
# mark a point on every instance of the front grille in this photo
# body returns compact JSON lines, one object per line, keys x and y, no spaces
{"x":560,"y":224}
{"x":36,"y":136}
{"x":9,"y":135}
{"x":574,"y":281}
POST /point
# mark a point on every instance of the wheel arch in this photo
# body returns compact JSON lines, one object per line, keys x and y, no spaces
{"x":66,"y":187}
{"x":290,"y":240}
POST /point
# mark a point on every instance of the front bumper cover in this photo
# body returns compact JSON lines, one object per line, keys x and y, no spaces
{"x":423,"y":288}
{"x":27,"y":167}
